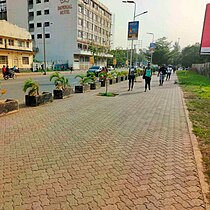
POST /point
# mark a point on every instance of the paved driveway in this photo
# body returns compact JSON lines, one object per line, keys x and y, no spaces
{"x":87,"y":152}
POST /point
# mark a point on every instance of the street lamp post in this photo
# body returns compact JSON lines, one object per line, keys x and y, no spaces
{"x":44,"y":49}
{"x":134,"y":17}
{"x":153,"y":38}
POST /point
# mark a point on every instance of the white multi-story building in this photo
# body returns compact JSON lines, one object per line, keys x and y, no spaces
{"x":65,"y":32}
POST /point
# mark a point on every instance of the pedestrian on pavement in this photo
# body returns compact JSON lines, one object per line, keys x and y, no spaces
{"x":147,"y":76}
{"x":161,"y":74}
{"x":3,"y":70}
{"x":131,"y":77}
{"x":169,"y":70}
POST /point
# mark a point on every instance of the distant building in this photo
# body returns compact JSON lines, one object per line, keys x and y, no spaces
{"x":68,"y":28}
{"x":15,"y":46}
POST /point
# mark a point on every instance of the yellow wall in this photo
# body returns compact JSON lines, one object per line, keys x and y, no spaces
{"x":15,"y":59}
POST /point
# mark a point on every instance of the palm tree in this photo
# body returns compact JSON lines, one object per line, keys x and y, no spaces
{"x":60,"y":81}
{"x":32,"y":86}
{"x":83,"y":79}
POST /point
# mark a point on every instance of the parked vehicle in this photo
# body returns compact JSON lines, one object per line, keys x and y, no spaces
{"x":96,"y":69}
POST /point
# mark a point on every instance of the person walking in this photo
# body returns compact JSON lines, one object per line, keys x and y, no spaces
{"x":161,"y":74}
{"x":147,"y":76}
{"x":131,"y":77}
{"x":169,"y":70}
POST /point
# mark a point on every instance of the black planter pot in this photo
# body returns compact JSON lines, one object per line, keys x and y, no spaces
{"x":60,"y":94}
{"x":79,"y":89}
{"x":117,"y":80}
{"x":45,"y":97}
{"x":8,"y":106}
{"x":92,"y":86}
{"x":121,"y":78}
{"x":110,"y":81}
{"x":103,"y":83}
{"x":126,"y":77}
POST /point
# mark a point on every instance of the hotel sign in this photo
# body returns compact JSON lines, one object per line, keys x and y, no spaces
{"x":65,"y":7}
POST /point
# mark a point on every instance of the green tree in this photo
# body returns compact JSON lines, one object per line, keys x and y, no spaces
{"x":174,"y":57}
{"x":191,"y":54}
{"x":161,"y":54}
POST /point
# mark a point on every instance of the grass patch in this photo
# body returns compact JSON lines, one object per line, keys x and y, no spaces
{"x":197,"y":94}
{"x":108,"y":94}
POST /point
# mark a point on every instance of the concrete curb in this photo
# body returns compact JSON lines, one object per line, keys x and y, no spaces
{"x":197,"y":155}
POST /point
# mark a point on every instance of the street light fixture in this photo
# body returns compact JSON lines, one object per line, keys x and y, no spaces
{"x":44,"y":47}
{"x":134,"y":17}
{"x":153,"y":37}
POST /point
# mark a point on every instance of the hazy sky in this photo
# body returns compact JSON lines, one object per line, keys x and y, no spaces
{"x":173,"y":19}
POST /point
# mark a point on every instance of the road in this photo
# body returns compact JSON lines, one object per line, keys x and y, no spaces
{"x":15,"y":87}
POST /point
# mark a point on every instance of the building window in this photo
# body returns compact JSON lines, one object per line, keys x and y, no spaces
{"x":80,"y":34}
{"x":21,"y":44}
{"x":46,"y":0}
{"x":32,"y":36}
{"x":39,"y":13}
{"x":11,"y":42}
{"x":39,"y":25}
{"x":39,"y":36}
{"x":80,"y":22}
{"x":25,"y":60}
{"x":80,"y":9}
{"x":47,"y":12}
{"x":3,"y":59}
{"x":79,"y":46}
{"x":47,"y":24}
{"x":1,"y":41}
{"x":38,"y":1}
{"x":47,"y":36}
{"x":30,"y":2}
{"x":27,"y":44}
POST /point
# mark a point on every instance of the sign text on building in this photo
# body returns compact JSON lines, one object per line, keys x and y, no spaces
{"x":64,"y":8}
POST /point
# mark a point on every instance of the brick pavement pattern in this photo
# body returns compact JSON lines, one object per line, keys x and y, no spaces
{"x":86,"y":152}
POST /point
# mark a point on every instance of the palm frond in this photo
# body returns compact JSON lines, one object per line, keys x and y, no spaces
{"x":32,"y":86}
{"x":54,"y":75}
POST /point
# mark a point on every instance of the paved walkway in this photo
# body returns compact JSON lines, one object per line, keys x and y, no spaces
{"x":130,"y":152}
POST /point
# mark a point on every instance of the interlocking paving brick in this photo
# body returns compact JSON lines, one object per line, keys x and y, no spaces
{"x":129,"y":152}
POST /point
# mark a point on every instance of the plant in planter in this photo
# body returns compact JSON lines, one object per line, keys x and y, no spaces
{"x":62,"y":86}
{"x":93,"y":78}
{"x":114,"y":76}
{"x":84,"y":81}
{"x":106,"y":78}
{"x":110,"y":78}
{"x":34,"y":98}
{"x":8,"y":105}
{"x":125,"y":74}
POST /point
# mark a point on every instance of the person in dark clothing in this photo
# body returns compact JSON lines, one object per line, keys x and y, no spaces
{"x":147,"y":76}
{"x":7,"y":70}
{"x":131,"y":77}
{"x":161,"y":74}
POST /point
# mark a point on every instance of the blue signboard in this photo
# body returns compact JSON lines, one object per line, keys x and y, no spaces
{"x":133,"y":30}
{"x":152,"y":46}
